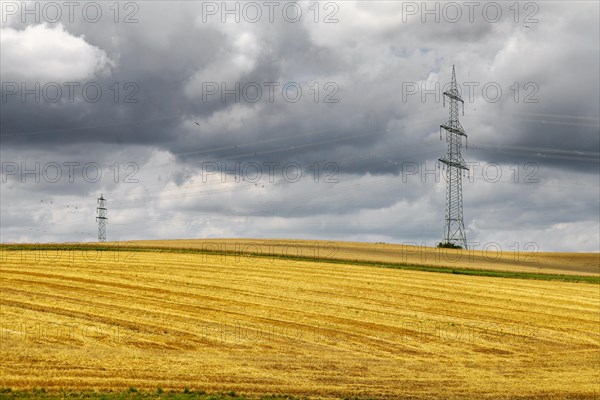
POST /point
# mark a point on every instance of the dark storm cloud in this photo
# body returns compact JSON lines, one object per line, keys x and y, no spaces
{"x":163,"y":65}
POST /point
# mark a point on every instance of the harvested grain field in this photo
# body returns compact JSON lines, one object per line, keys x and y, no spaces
{"x":521,"y":257}
{"x":261,"y":325}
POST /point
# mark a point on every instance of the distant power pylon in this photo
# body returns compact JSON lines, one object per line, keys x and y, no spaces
{"x":454,"y":227}
{"x":101,"y":218}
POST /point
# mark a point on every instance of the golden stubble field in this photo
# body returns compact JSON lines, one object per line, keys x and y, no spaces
{"x":521,"y":257}
{"x":115,"y":320}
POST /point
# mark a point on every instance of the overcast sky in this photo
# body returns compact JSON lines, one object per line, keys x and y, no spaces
{"x":299,"y":120}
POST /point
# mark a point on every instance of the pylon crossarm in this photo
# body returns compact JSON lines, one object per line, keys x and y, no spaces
{"x":454,"y":164}
{"x":454,"y":97}
{"x":454,"y":130}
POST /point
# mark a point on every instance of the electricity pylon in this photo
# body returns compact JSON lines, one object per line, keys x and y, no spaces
{"x":101,"y":218}
{"x":454,"y":227}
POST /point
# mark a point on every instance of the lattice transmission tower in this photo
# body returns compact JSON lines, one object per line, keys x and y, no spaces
{"x":101,"y":218}
{"x":455,"y":167}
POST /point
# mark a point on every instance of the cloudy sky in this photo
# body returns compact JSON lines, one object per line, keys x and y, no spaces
{"x":299,"y":120}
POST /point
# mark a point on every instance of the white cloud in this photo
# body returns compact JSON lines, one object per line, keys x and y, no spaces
{"x":41,"y":53}
{"x":236,"y":59}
